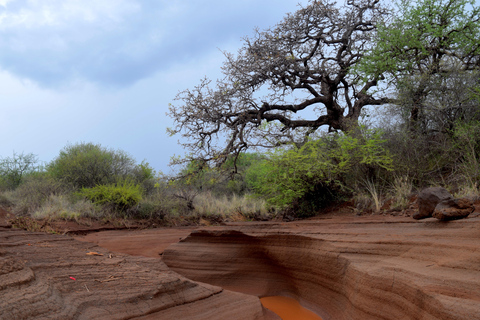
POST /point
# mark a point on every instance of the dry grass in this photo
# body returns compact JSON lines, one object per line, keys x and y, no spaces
{"x":468,"y":190}
{"x":234,"y":208}
{"x":6,"y":199}
{"x":60,"y":207}
{"x":363,"y":203}
{"x":401,"y":191}
{"x":374,"y":193}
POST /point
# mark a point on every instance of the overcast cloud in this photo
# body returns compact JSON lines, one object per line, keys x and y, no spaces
{"x":104,"y":71}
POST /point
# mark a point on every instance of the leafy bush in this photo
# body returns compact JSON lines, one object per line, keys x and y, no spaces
{"x":162,"y":202}
{"x":145,"y":175}
{"x":120,"y":196}
{"x":86,"y":165}
{"x":311,"y":176}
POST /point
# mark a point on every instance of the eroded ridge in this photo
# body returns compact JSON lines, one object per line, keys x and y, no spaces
{"x":55,"y":277}
{"x":371,"y":268}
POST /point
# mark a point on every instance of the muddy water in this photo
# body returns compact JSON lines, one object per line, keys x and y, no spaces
{"x":288,"y":308}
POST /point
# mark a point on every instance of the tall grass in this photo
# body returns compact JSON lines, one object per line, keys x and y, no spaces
{"x":60,"y":207}
{"x":374,"y":192}
{"x":402,"y":188}
{"x":469,"y":189}
{"x":232,"y":207}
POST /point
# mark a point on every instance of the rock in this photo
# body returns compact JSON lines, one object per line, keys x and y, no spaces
{"x":453,"y":209}
{"x":428,"y":200}
{"x":375,"y":268}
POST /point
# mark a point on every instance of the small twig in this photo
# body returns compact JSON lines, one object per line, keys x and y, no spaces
{"x":107,"y":280}
{"x":86,"y":287}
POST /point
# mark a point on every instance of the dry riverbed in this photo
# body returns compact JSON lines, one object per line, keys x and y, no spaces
{"x":340,"y":266}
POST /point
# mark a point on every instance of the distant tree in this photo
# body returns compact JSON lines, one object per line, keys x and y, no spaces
{"x":431,"y":47}
{"x":297,"y":76}
{"x":86,"y":165}
{"x":13,"y":169}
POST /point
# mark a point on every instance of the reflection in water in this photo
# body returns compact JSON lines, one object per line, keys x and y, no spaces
{"x":288,"y":308}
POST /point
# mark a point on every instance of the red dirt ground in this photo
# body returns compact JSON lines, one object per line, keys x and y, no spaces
{"x":340,"y":265}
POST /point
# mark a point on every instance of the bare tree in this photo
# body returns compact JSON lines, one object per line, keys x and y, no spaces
{"x":284,"y":83}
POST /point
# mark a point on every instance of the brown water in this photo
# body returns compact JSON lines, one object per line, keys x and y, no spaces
{"x":288,"y":308}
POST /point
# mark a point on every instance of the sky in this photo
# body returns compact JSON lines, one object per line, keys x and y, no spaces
{"x":104,"y":71}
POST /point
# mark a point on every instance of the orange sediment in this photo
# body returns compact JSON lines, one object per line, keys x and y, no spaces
{"x":288,"y":308}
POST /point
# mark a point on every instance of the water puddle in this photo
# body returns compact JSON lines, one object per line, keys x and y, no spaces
{"x":288,"y":308}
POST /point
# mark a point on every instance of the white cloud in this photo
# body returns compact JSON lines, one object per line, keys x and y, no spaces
{"x":4,"y":3}
{"x":35,"y":13}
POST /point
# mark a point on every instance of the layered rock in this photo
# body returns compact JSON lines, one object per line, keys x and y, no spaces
{"x":46,"y":276}
{"x":362,"y":268}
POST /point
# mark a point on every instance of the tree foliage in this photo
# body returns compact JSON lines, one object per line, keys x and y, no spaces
{"x":427,"y":48}
{"x":297,"y":75}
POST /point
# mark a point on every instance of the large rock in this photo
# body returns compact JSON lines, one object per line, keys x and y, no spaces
{"x":428,"y":200}
{"x":453,"y":209}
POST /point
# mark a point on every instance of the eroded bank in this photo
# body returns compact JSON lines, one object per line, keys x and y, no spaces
{"x":365,"y":268}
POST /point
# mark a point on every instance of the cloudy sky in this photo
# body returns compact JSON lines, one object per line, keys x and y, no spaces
{"x":104,"y":71}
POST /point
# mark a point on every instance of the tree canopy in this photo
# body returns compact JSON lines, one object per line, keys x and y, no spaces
{"x":322,"y":65}
{"x":297,"y":76}
{"x":430,"y":49}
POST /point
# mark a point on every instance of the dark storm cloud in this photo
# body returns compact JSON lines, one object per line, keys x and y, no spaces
{"x":118,"y":42}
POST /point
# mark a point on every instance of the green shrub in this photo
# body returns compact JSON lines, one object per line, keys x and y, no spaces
{"x":120,"y":196}
{"x":309,"y":177}
{"x":161,"y":203}
{"x":145,"y":175}
{"x":86,"y":165}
